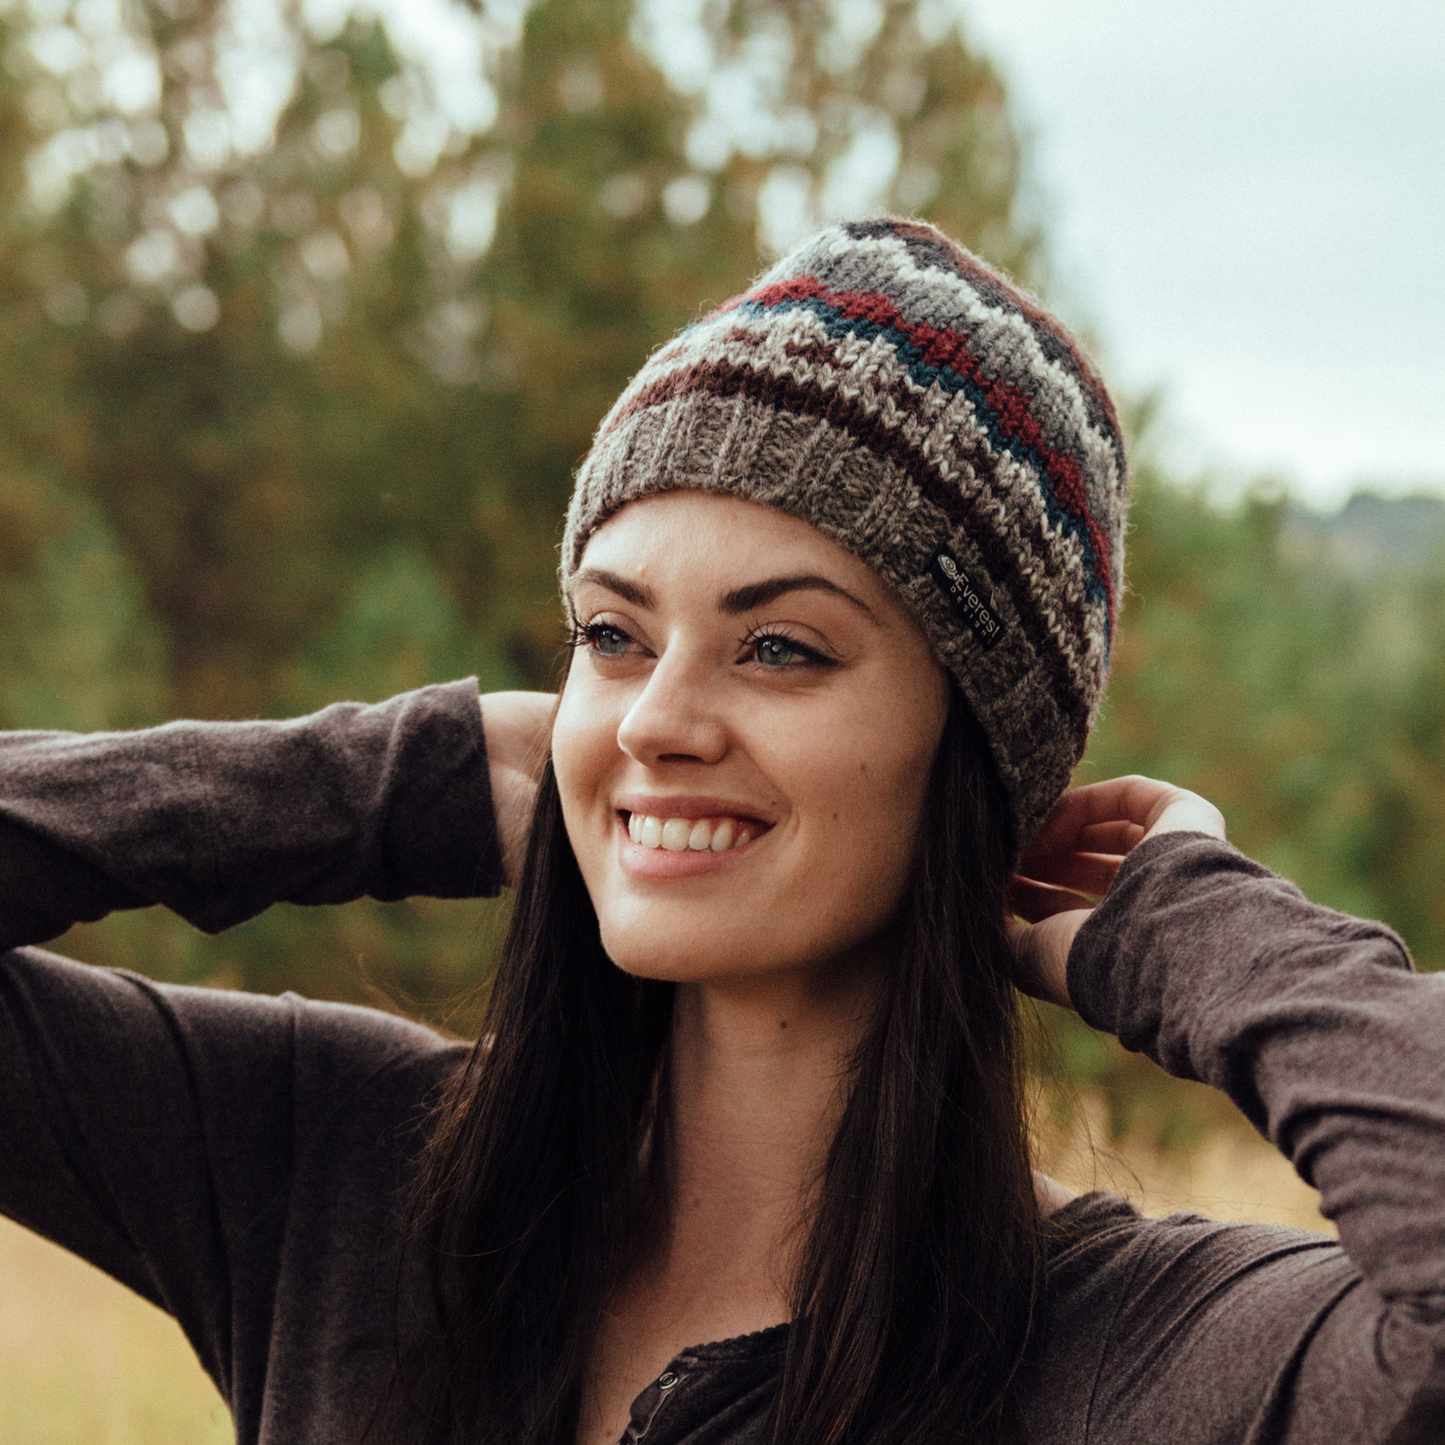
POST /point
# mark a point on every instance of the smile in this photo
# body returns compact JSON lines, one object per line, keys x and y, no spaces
{"x":698,"y":835}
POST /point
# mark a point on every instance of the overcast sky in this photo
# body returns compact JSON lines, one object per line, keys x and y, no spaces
{"x":1246,"y":200}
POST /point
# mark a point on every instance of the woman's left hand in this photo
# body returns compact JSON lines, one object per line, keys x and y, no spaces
{"x":518,"y":726}
{"x":1074,"y":858}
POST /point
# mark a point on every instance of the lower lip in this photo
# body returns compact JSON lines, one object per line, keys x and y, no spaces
{"x":640,"y":862}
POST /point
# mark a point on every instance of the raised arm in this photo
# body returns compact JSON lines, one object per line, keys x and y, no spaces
{"x":217,"y":821}
{"x":1316,"y":1025}
{"x":195,"y":1142}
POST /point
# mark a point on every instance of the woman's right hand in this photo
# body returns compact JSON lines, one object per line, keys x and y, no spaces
{"x":1071,"y":863}
{"x":518,"y":726}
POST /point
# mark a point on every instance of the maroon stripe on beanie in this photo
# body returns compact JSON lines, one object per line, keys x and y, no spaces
{"x":1073,"y":609}
{"x":782,"y":393}
{"x":941,"y":348}
{"x":933,"y":250}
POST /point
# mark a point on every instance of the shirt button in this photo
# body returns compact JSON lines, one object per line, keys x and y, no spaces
{"x":667,"y":1379}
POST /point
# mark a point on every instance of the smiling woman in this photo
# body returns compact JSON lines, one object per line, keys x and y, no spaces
{"x":741,"y":1154}
{"x":738,"y":675}
{"x":797,"y":714}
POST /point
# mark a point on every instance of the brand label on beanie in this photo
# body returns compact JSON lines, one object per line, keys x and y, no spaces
{"x":965,"y":598}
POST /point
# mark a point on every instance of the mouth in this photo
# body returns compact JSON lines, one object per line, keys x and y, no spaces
{"x":720,"y":833}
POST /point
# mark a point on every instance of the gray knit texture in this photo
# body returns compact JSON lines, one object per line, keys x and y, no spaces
{"x":885,"y":385}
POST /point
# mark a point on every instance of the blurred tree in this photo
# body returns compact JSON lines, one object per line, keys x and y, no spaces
{"x":1306,"y":699}
{"x":77,"y":648}
{"x":301,"y":292}
{"x":317,"y":309}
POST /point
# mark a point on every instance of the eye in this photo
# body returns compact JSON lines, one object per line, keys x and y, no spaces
{"x":778,"y":651}
{"x":606,"y":640}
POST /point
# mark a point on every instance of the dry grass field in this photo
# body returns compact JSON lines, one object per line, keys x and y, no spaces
{"x":1229,"y":1174}
{"x":85,"y":1362}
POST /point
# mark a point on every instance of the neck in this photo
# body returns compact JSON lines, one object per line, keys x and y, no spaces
{"x":758,"y":1085}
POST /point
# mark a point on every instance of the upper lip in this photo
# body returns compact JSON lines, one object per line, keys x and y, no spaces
{"x":691,"y":806}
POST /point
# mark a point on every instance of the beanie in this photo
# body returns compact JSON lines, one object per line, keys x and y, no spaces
{"x":885,"y":385}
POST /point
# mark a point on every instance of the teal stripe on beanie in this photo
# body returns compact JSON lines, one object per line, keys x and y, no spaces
{"x":887,"y":386}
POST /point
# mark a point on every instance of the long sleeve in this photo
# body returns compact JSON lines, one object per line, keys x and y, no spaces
{"x":1316,"y":1025}
{"x":218,"y":821}
{"x":239,"y":1160}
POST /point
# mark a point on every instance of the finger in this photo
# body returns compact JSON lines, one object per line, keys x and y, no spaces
{"x":1042,"y":954}
{"x":1128,"y":799}
{"x":1034,"y":901}
{"x":1137,"y":800}
{"x":1118,"y":836}
{"x":1091,"y":873}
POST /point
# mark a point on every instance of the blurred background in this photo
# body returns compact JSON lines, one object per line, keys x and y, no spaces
{"x":308,"y":309}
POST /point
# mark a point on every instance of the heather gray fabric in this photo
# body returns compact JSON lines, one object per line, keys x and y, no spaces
{"x":218,"y":821}
{"x":237,"y":1159}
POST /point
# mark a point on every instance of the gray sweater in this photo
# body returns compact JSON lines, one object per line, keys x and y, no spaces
{"x":237,"y":1159}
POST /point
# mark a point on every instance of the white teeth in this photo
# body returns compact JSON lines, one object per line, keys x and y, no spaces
{"x":700,"y":835}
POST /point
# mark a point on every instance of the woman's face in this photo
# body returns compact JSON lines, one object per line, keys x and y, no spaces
{"x":744,"y":740}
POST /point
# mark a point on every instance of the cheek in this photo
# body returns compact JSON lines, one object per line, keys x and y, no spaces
{"x":867,"y":812}
{"x":856,"y":781}
{"x":584,"y":748}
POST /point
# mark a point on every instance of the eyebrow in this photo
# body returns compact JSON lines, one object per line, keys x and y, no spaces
{"x":627,"y":591}
{"x":739,"y":600}
{"x":759,"y":594}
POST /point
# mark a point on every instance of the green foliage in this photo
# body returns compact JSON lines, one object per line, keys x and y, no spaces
{"x":77,"y":648}
{"x":1305,"y":698}
{"x":271,"y":358}
{"x":295,"y":386}
{"x":291,"y":412}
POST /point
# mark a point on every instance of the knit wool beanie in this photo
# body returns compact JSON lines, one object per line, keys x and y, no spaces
{"x":888,"y":387}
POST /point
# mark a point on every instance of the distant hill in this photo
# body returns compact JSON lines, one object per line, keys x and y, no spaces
{"x":1370,"y":535}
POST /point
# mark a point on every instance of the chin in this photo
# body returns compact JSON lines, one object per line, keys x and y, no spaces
{"x":717,"y":946}
{"x":689,"y":945}
{"x":642,"y":958}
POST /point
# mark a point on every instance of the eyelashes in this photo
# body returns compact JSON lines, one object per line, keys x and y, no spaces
{"x":591,"y":637}
{"x":769,"y":639}
{"x":767,"y":645}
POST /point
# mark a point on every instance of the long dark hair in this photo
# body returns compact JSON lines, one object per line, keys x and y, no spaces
{"x":546,"y":1165}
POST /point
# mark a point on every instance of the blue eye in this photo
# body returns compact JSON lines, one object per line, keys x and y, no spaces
{"x":609,"y":641}
{"x":778,"y":652}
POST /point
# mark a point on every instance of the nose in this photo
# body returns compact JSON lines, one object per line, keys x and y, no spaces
{"x":675,"y":717}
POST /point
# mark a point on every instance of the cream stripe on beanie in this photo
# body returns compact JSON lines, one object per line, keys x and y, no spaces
{"x":887,"y":386}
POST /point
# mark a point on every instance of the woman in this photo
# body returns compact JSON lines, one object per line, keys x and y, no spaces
{"x":842,"y":567}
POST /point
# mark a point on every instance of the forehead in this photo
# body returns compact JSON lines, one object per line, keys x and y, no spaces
{"x":699,"y":534}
